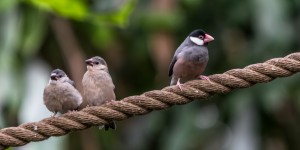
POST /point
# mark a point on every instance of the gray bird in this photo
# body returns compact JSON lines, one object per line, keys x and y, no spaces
{"x":60,"y":95}
{"x":98,"y":87}
{"x":190,"y":58}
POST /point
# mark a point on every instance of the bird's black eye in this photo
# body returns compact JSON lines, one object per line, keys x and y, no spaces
{"x":201,"y":37}
{"x":97,"y":63}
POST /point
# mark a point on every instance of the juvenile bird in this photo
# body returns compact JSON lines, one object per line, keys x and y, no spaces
{"x":98,"y":87}
{"x":190,"y":58}
{"x":60,"y":95}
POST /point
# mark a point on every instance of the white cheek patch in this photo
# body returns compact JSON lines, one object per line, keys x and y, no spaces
{"x":197,"y":41}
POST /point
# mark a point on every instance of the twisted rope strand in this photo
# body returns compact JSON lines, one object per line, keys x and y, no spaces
{"x":149,"y":101}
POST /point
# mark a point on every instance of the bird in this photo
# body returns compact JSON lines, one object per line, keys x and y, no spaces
{"x":60,"y":95}
{"x":98,"y":86}
{"x":190,"y":58}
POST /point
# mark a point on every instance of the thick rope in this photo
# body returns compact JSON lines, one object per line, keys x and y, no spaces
{"x":152,"y":100}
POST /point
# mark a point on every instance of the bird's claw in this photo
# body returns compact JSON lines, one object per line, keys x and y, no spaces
{"x":204,"y":78}
{"x":71,"y":111}
{"x":179,"y":84}
{"x":53,"y":115}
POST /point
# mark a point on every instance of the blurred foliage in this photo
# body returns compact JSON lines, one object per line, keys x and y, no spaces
{"x":124,"y":32}
{"x":33,"y":32}
{"x":7,"y":4}
{"x":159,"y":20}
{"x":117,"y":17}
{"x":75,"y":9}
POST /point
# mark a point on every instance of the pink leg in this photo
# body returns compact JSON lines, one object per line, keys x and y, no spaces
{"x":53,"y":114}
{"x":179,"y":84}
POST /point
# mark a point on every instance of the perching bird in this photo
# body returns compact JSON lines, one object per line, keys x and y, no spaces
{"x":98,"y":87}
{"x":190,"y":58}
{"x":60,"y":95}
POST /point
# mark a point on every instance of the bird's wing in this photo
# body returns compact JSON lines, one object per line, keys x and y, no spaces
{"x":71,"y":98}
{"x":178,"y":50}
{"x":172,"y":65}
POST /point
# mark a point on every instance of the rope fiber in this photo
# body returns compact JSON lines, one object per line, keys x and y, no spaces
{"x":149,"y":101}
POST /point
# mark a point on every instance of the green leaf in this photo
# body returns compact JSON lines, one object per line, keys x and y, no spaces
{"x":118,"y":17}
{"x":75,"y":9}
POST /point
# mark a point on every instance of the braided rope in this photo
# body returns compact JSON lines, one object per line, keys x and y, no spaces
{"x":148,"y":101}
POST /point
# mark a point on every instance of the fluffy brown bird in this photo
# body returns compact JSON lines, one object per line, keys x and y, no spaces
{"x":98,"y":87}
{"x":60,"y":95}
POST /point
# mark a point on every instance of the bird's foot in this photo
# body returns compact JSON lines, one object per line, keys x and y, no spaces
{"x":179,"y":84}
{"x":70,"y":111}
{"x":204,"y":78}
{"x":53,"y":114}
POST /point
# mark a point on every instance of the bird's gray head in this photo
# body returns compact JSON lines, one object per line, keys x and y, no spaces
{"x":57,"y":75}
{"x":199,"y":37}
{"x":96,"y":63}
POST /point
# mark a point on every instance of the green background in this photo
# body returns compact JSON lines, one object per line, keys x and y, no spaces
{"x":138,"y":39}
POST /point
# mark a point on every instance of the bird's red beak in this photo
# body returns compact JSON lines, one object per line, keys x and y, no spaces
{"x":208,"y":38}
{"x":89,"y":62}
